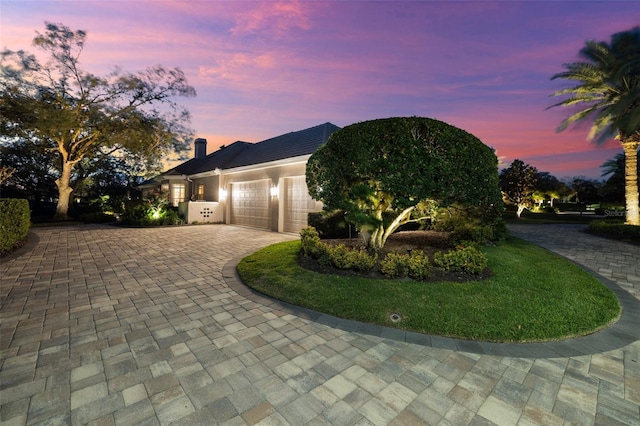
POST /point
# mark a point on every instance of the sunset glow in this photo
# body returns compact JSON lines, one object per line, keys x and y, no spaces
{"x":262,"y":69}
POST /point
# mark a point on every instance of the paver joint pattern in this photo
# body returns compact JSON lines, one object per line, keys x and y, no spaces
{"x":103,"y":325}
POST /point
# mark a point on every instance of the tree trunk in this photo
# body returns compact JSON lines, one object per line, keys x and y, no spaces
{"x":631,"y":197}
{"x":520,"y":210}
{"x":64,"y":192}
{"x":379,"y":236}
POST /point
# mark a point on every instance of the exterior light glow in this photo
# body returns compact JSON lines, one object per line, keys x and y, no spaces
{"x":223,"y":194}
{"x":274,"y":191}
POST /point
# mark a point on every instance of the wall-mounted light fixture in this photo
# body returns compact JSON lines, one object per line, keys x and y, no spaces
{"x":222,"y":194}
{"x":274,"y":191}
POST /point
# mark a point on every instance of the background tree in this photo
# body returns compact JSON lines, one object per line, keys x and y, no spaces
{"x":34,"y":170}
{"x":608,"y":91}
{"x":587,"y":191}
{"x":518,"y":183}
{"x":550,"y":186}
{"x":107,"y":182}
{"x":614,"y":168}
{"x":385,"y":172}
{"x":539,"y":197}
{"x":79,"y":115}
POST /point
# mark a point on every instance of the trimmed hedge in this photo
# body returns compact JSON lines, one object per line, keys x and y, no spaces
{"x":15,"y":221}
{"x":616,"y":229}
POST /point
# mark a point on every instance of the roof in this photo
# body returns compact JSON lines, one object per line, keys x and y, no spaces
{"x":216,"y":160}
{"x":294,"y":144}
{"x":238,"y":154}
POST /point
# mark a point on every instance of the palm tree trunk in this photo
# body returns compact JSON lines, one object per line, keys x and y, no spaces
{"x":630,"y":147}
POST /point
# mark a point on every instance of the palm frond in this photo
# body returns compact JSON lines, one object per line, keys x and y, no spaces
{"x":608,"y":86}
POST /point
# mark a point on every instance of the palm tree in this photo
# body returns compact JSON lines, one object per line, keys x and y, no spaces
{"x":614,"y":169}
{"x":608,"y":91}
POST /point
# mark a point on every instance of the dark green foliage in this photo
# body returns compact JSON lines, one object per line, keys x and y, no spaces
{"x":419,"y":265}
{"x":152,"y":212}
{"x":471,"y":224}
{"x":362,"y":261}
{"x":616,"y":229}
{"x":395,"y":265}
{"x":15,"y":221}
{"x":466,"y":259}
{"x":342,"y":257}
{"x":518,"y":183}
{"x":331,"y":224}
{"x":393,"y":164}
{"x":34,"y":175}
{"x":310,"y":240}
{"x":339,"y":256}
{"x":415,"y":265}
{"x":479,"y":234}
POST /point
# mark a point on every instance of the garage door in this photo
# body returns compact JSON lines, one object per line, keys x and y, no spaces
{"x":250,"y":203}
{"x":297,"y":204}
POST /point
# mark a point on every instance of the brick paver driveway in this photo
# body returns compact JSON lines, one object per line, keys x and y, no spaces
{"x":106,"y":325}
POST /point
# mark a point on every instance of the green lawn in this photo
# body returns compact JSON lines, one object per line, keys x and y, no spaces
{"x":534,"y":295}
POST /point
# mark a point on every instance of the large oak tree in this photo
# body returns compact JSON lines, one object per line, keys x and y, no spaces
{"x":79,"y":115}
{"x":382,"y":172}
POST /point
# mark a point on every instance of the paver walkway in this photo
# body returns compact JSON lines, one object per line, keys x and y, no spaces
{"x":104,"y":325}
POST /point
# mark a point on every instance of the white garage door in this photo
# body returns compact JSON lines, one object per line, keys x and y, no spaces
{"x":297,"y":204}
{"x":250,"y":203}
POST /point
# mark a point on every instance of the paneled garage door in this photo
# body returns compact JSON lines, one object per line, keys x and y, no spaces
{"x":297,"y":204}
{"x":250,"y":203}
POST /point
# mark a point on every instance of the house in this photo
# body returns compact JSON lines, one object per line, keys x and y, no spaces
{"x":253,"y":184}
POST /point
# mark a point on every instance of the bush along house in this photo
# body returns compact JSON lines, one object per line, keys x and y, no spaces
{"x":252,"y":184}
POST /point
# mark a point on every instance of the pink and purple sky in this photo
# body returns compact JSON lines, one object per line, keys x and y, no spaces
{"x":266,"y":68}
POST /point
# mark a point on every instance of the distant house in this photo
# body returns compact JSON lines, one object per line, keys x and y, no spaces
{"x":253,"y":184}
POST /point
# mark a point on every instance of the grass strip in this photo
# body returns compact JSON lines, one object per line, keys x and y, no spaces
{"x":534,"y":295}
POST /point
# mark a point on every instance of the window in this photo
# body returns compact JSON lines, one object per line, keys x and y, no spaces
{"x":177,"y":193}
{"x":200,"y":193}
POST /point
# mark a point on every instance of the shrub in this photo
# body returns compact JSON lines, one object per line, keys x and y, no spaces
{"x":419,"y":266}
{"x":310,"y":240}
{"x":15,"y":220}
{"x":362,"y":261}
{"x":395,"y":265}
{"x":153,"y":212}
{"x":340,"y":257}
{"x":615,"y":228}
{"x":472,"y":223}
{"x":416,"y":265}
{"x":479,"y":234}
{"x":465,"y":259}
{"x":331,"y":224}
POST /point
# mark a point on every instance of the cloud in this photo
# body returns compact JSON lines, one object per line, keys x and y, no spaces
{"x":237,"y":67}
{"x":273,"y":18}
